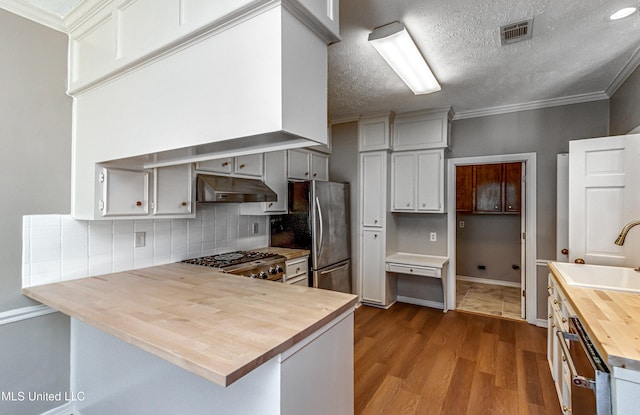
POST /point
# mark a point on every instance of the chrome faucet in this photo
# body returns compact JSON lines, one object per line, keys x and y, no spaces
{"x":624,"y":231}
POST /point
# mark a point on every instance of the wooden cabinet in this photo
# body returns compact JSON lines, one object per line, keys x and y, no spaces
{"x":173,"y":190}
{"x":418,"y":181}
{"x":421,"y":130}
{"x":307,"y":165}
{"x":124,"y":192}
{"x":489,"y":188}
{"x":275,"y":176}
{"x":374,"y":132}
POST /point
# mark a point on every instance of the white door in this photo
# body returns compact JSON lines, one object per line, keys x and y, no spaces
{"x":319,"y":167}
{"x":405,"y":175}
{"x":373,"y":185}
{"x":125,"y":192}
{"x":372,"y":266}
{"x":173,"y":187}
{"x":275,"y":176}
{"x":604,"y":195}
{"x":430,"y":183}
{"x":298,"y":164}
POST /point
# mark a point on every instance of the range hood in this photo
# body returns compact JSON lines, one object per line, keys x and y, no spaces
{"x":220,"y":189}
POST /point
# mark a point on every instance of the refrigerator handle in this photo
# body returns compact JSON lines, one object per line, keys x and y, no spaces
{"x":340,"y":268}
{"x":319,"y":249}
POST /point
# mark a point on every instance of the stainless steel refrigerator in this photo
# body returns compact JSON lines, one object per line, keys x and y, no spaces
{"x":318,"y":220}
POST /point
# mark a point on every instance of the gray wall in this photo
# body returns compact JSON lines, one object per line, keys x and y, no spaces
{"x":489,"y":240}
{"x":625,"y":106}
{"x":35,"y":163}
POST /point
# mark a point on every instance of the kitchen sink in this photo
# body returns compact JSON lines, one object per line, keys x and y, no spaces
{"x":600,"y":277}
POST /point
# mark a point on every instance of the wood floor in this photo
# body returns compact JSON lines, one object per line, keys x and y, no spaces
{"x":418,"y":360}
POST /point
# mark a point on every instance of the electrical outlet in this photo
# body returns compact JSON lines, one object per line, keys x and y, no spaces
{"x":141,"y":239}
{"x":433,"y":237}
{"x":255,"y":228}
{"x":461,"y":224}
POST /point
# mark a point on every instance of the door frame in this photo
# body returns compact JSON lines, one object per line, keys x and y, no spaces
{"x":529,"y":160}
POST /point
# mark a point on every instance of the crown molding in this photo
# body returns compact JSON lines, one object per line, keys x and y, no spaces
{"x":83,"y":11}
{"x":626,"y":71}
{"x":341,"y":120}
{"x":545,"y":103}
{"x":34,"y":13}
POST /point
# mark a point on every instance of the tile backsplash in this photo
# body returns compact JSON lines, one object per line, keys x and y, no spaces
{"x":59,"y":248}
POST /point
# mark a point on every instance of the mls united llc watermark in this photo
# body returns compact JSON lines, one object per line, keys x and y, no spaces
{"x":22,"y":396}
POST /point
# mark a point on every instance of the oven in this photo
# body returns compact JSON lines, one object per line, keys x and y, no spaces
{"x":590,"y":387}
{"x":252,"y":264}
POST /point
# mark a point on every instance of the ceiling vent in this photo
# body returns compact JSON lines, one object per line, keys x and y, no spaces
{"x":516,"y":32}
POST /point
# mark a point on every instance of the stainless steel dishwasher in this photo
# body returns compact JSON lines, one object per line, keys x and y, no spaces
{"x":590,"y":378}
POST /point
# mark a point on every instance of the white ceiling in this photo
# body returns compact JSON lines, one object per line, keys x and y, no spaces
{"x":576,"y":54}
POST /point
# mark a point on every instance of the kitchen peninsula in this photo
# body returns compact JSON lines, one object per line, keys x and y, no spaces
{"x":185,"y":339}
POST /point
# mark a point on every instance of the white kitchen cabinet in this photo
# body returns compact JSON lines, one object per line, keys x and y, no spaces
{"x":373,"y":185}
{"x":249,"y":165}
{"x":307,"y":165}
{"x":222,"y":166}
{"x":297,"y":271}
{"x":374,"y":132}
{"x":625,"y":389}
{"x":124,"y":192}
{"x":373,"y":272}
{"x":173,"y":190}
{"x":275,"y":176}
{"x":418,"y":181}
{"x":421,"y":130}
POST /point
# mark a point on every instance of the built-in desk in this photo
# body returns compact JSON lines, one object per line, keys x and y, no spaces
{"x":420,"y":265}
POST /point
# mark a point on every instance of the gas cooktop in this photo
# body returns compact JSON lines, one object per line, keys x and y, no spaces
{"x":263,"y":265}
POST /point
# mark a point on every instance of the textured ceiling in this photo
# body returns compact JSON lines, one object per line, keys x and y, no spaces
{"x":59,"y":8}
{"x":575,"y":50}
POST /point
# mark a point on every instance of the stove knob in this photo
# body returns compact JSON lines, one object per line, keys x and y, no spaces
{"x":273,"y":271}
{"x":263,"y":275}
{"x":253,"y":276}
{"x":279,"y":268}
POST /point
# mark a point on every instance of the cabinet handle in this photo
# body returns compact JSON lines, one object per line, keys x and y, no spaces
{"x":183,"y":204}
{"x":270,"y":204}
{"x":315,"y":174}
{"x":579,"y":261}
{"x":564,"y":320}
{"x":550,"y":315}
{"x":306,"y":174}
{"x":496,"y":207}
{"x":549,"y":287}
{"x":566,"y":409}
{"x":375,"y":236}
{"x":375,"y":221}
{"x":565,"y":251}
{"x":138,"y":203}
{"x":408,"y":204}
{"x":555,"y":301}
{"x":298,"y":269}
{"x":424,"y":205}
{"x":242,"y":166}
{"x":225,"y":164}
{"x":509,"y":207}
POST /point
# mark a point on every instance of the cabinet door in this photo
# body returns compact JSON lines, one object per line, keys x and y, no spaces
{"x":373,"y":187}
{"x":125,"y":192}
{"x":431,"y":181}
{"x":372,"y":266}
{"x":512,"y":187}
{"x":224,"y":165}
{"x":421,"y":131}
{"x":173,"y":190}
{"x":319,"y":166}
{"x":298,"y":164}
{"x":375,"y":133}
{"x":464,"y":188}
{"x":488,"y":188}
{"x":405,"y":175}
{"x":249,"y":165}
{"x":275,"y":176}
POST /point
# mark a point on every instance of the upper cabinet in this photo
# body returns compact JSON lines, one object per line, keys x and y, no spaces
{"x":489,"y":188}
{"x":275,"y":176}
{"x":249,"y":165}
{"x":173,"y":190}
{"x":422,"y":130}
{"x":124,"y":192}
{"x":165,"y":83}
{"x":307,"y":165}
{"x":375,"y":132}
{"x":417,"y":179}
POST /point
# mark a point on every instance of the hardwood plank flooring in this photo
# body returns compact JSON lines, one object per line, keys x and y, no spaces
{"x":418,"y":360}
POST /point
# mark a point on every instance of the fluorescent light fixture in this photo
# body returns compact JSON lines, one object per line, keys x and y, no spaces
{"x":395,"y":45}
{"x":622,"y":13}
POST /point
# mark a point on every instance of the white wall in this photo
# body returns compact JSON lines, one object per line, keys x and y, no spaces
{"x":58,"y":248}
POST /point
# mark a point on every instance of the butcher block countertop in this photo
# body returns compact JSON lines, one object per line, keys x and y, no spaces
{"x":611,"y":318}
{"x":289,"y":253}
{"x":219,"y":326}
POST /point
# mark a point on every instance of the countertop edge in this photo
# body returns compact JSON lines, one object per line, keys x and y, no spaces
{"x":220,"y":379}
{"x":611,"y":359}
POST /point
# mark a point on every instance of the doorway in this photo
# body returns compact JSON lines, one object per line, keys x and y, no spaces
{"x":527,"y":223}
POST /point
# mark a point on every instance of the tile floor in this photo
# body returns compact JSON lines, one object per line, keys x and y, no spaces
{"x":493,"y":300}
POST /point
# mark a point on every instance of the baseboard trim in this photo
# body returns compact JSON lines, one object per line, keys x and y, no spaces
{"x":66,"y":409}
{"x":24,"y":313}
{"x":542,"y":323}
{"x":488,"y":281}
{"x":420,"y":301}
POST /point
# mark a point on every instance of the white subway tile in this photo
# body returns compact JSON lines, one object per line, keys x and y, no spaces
{"x":46,"y":221}
{"x":161,"y":260}
{"x":46,"y":272}
{"x":75,"y":268}
{"x":100,"y":238}
{"x":100,"y":264}
{"x":122,"y":256}
{"x":143,"y":225}
{"x":122,"y":227}
{"x":178,"y":239}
